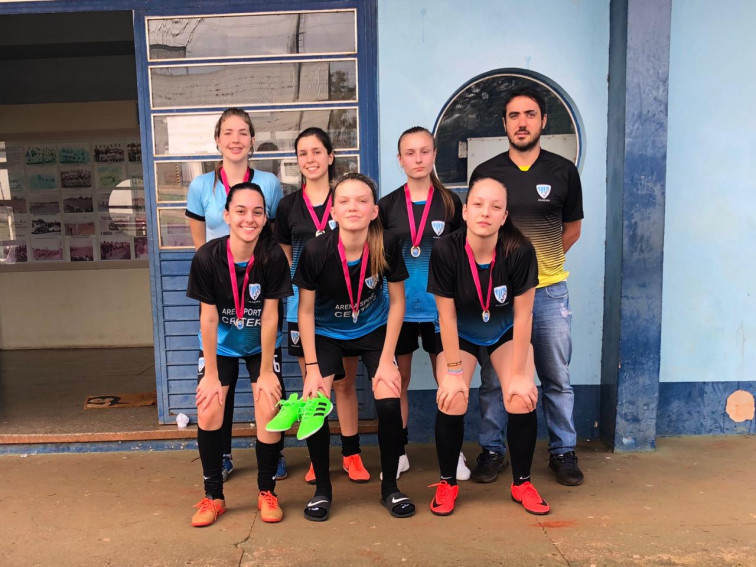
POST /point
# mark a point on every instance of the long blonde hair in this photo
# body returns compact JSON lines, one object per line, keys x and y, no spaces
{"x":378,"y":263}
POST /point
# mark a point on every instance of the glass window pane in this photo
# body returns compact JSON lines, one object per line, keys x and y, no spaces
{"x":474,"y":117}
{"x":254,"y":83}
{"x":173,"y":178}
{"x":252,"y":35}
{"x":192,"y":134}
{"x":173,"y":228}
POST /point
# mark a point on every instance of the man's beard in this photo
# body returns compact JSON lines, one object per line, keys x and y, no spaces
{"x":526,"y":146}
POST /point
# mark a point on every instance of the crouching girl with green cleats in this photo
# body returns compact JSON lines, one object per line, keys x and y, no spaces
{"x":239,"y":281}
{"x":343,"y":312}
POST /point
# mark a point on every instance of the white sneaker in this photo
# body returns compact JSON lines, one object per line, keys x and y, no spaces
{"x":463,"y":473}
{"x":403,"y":466}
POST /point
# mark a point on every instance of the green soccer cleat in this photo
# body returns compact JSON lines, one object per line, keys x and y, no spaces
{"x":287,"y":414}
{"x":314,"y":412}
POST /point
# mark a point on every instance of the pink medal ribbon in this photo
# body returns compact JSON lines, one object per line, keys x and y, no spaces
{"x":319,"y":224}
{"x":342,"y":254}
{"x":476,"y":278}
{"x":416,"y":235}
{"x":224,"y":179}
{"x":238,"y":301}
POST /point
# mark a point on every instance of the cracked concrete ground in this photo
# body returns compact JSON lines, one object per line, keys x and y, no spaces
{"x":691,"y":502}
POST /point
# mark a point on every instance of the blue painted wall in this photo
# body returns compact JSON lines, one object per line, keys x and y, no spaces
{"x":428,"y":49}
{"x":709,"y":300}
{"x":709,"y":313}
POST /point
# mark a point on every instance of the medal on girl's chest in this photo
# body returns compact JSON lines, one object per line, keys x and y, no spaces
{"x":238,"y":301}
{"x":355,"y":305}
{"x":486,"y":314}
{"x":320,"y":224}
{"x":416,"y":234}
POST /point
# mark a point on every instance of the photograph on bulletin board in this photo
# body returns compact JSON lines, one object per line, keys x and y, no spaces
{"x":81,"y":249}
{"x":13,"y":252}
{"x":115,"y":248}
{"x":47,"y":249}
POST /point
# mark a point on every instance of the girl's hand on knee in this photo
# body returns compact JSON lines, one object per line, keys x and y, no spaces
{"x":449,"y":386}
{"x":209,"y":387}
{"x":388,"y":375}
{"x":268,"y":384}
{"x":313,"y":383}
{"x":524,"y":391}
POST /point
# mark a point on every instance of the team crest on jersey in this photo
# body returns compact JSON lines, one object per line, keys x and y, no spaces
{"x":201,"y":364}
{"x":294,"y":336}
{"x":332,"y":224}
{"x":543,"y":190}
{"x":500,"y":293}
{"x":371,"y":282}
{"x":438,"y":226}
{"x":254,"y":290}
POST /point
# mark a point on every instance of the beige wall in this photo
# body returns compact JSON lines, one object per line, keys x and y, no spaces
{"x":82,"y":308}
{"x":73,"y":308}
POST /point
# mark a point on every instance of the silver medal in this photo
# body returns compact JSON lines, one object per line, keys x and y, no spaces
{"x":415,"y":251}
{"x":486,"y":316}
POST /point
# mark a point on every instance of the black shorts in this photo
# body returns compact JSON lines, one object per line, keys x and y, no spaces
{"x":295,"y":343}
{"x":408,"y":342}
{"x":330,"y":352}
{"x":228,"y":368}
{"x":474,"y":349}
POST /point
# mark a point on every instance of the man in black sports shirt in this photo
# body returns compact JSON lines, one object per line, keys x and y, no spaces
{"x":545,"y":203}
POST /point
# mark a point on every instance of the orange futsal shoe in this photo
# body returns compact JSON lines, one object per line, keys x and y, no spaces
{"x":208,"y":511}
{"x":528,"y":496}
{"x":446,"y":495}
{"x":355,"y":469}
{"x":310,"y":476}
{"x":270,"y":511}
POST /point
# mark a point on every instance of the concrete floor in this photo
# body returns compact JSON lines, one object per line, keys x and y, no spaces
{"x":43,"y":391}
{"x":689,"y":503}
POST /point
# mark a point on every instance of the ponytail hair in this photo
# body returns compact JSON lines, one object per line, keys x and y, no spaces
{"x":509,"y":236}
{"x":264,"y":241}
{"x":324,"y":139}
{"x":378,"y":263}
{"x":233,"y":111}
{"x":438,"y":187}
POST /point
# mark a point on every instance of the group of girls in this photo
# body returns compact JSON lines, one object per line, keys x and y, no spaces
{"x":370,"y":278}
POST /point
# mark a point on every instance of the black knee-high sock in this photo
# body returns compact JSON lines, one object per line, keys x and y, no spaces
{"x":389,"y":412}
{"x":210,"y":445}
{"x":450,"y":432}
{"x":318,"y":444}
{"x":350,"y":445}
{"x":267,"y":463}
{"x":522,"y":429}
{"x":228,"y":418}
{"x":280,"y":444}
{"x":405,"y":439}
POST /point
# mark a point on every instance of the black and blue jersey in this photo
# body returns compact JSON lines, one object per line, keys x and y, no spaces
{"x":319,"y":269}
{"x":420,"y":306}
{"x":294,"y":227}
{"x":210,"y":282}
{"x":450,"y":276}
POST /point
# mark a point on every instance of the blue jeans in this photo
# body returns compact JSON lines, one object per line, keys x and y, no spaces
{"x":552,"y":347}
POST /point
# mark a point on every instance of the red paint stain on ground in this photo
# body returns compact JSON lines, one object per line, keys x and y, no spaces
{"x":561,"y":524}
